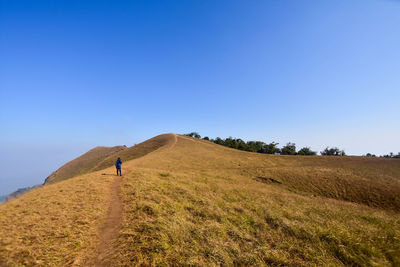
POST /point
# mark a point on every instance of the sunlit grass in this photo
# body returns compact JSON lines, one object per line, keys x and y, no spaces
{"x":190,"y":219}
{"x":196,"y":203}
{"x":53,"y":224}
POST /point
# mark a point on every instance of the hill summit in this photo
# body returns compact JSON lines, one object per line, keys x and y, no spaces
{"x":185,"y":201}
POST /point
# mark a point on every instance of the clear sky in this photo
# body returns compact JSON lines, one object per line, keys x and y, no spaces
{"x":77,"y":74}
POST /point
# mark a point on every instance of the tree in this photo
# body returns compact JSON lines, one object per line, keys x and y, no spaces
{"x":289,"y":149}
{"x":240,"y":144}
{"x":206,"y":138}
{"x":219,"y":141}
{"x":271,"y":148}
{"x":306,"y":151}
{"x":193,"y":134}
{"x":230,"y":142}
{"x":255,"y":146}
{"x":334,"y":151}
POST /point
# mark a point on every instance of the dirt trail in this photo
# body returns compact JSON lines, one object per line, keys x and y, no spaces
{"x":104,"y":252}
{"x":174,"y":142}
{"x":110,"y":229}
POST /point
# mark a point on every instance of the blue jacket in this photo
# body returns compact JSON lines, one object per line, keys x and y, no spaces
{"x":118,"y":163}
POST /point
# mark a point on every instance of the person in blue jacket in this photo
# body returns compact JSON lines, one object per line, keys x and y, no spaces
{"x":118,"y":164}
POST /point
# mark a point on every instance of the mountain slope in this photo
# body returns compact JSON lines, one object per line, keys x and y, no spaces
{"x":136,"y":151}
{"x":103,"y":157}
{"x":191,"y":202}
{"x":49,"y":226}
{"x":83,"y":164}
{"x":370,"y":181}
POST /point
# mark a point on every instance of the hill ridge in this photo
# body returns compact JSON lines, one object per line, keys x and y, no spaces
{"x":101,"y":157}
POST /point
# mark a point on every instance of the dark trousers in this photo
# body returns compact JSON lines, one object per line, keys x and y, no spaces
{"x":119,"y":169}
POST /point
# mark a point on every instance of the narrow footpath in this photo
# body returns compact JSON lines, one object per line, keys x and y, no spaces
{"x":110,"y":229}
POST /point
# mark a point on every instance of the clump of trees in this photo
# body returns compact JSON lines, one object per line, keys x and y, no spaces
{"x":257,"y":146}
{"x":306,"y":151}
{"x":289,"y":149}
{"x":193,"y":134}
{"x":391,"y":155}
{"x":271,"y":148}
{"x":333,"y":151}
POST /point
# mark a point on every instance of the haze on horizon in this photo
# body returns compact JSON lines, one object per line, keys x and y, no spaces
{"x":78,"y":74}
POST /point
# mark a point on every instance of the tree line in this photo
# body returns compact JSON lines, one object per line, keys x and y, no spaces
{"x":390,"y":155}
{"x":268,"y":148}
{"x":272,"y":148}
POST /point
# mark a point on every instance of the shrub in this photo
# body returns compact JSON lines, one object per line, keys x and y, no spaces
{"x":334,"y":151}
{"x":306,"y":151}
{"x":194,"y":135}
{"x":289,"y":149}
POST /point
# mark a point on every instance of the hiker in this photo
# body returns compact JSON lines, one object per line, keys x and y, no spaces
{"x":118,"y":164}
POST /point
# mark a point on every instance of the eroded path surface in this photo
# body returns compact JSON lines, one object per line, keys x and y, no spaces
{"x":110,"y":229}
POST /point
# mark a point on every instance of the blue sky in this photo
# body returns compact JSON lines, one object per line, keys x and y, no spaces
{"x":77,"y":74}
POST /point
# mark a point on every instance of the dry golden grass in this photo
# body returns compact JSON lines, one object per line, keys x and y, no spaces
{"x":136,"y":151}
{"x":52,"y":225}
{"x":191,"y":202}
{"x":83,"y":164}
{"x":187,"y":218}
{"x":371,"y":181}
{"x":100,"y":158}
{"x":200,"y":204}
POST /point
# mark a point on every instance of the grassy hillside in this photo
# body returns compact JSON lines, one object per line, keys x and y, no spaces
{"x":370,"y":181}
{"x":136,"y":151}
{"x":103,"y":157}
{"x":52,"y":225}
{"x":83,"y":164}
{"x":191,"y":202}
